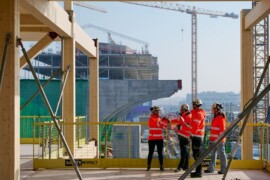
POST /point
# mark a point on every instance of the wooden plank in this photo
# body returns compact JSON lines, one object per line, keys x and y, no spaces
{"x":247,"y":86}
{"x":258,"y":13}
{"x":10,"y":93}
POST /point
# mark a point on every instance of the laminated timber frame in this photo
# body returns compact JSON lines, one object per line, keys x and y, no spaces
{"x":31,"y":20}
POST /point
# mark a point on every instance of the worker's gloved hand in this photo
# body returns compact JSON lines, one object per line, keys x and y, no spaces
{"x":166,"y":119}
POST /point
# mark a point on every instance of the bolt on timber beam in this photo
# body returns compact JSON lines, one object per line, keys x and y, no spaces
{"x":50,"y":111}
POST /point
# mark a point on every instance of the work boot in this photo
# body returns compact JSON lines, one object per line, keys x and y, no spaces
{"x":207,"y":171}
{"x":161,"y":168}
{"x":195,"y":175}
{"x":220,"y":172}
{"x":148,"y":168}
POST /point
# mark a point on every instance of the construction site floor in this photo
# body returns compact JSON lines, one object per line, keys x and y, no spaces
{"x":27,"y":173}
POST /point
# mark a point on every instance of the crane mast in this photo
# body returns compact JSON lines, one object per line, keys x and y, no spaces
{"x":193,"y":11}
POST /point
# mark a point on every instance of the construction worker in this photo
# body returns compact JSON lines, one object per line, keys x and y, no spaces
{"x":197,"y":134}
{"x":183,"y":132}
{"x":218,"y":126}
{"x":155,"y":136}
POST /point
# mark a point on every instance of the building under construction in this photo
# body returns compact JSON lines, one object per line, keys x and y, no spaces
{"x":118,"y":64}
{"x":115,"y":62}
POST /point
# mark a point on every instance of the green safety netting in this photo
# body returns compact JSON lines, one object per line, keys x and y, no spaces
{"x":37,"y":106}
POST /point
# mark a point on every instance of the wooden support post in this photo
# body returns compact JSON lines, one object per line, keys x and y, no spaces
{"x":247,"y":84}
{"x":69,"y":108}
{"x":94,"y":96}
{"x":10,"y":93}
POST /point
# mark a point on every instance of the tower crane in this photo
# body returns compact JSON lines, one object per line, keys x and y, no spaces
{"x":193,"y":11}
{"x":88,"y":6}
{"x":110,"y":40}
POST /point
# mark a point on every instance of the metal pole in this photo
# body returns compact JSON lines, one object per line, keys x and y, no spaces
{"x":4,"y":59}
{"x":228,"y":130}
{"x":246,"y":120}
{"x":50,"y":110}
{"x":61,"y":94}
{"x":105,"y":141}
{"x":36,"y":93}
{"x":43,"y":141}
{"x":50,"y":141}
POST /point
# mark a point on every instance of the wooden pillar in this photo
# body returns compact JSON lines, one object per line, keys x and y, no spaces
{"x":10,"y":93}
{"x":69,"y":101}
{"x":247,"y":83}
{"x":94,"y":96}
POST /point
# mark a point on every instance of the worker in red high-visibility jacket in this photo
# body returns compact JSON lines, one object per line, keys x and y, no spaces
{"x":183,"y":125}
{"x":218,"y":126}
{"x":197,"y":133}
{"x":156,"y":124}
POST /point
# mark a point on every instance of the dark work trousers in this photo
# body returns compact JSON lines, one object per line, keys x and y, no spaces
{"x":197,"y":145}
{"x":151,"y":148}
{"x":184,"y":148}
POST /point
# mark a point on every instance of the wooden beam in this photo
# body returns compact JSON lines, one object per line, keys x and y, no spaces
{"x":37,"y":48}
{"x":170,"y":0}
{"x":56,"y":18}
{"x":69,"y":98}
{"x":258,"y":13}
{"x":247,"y":85}
{"x":35,"y":30}
{"x":49,"y":13}
{"x":10,"y":92}
{"x":84,"y":43}
{"x":27,"y":20}
{"x":94,"y":97}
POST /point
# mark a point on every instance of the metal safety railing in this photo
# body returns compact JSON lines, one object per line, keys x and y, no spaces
{"x":128,"y":140}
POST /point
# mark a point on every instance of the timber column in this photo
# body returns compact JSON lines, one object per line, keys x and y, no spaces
{"x":10,"y":92}
{"x":94,"y":96}
{"x":247,"y":85}
{"x":68,"y":59}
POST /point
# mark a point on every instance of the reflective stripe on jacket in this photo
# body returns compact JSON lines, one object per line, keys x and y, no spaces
{"x":218,"y":126}
{"x":184,"y":122}
{"x":155,"y":125}
{"x":197,"y":122}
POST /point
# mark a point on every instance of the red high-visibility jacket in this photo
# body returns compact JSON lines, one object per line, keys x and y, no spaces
{"x":156,"y":125}
{"x":184,"y":122}
{"x":218,"y":126}
{"x":197,"y":122}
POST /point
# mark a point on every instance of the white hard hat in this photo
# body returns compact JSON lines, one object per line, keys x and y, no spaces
{"x":197,"y":102}
{"x":217,"y":106}
{"x":184,"y":106}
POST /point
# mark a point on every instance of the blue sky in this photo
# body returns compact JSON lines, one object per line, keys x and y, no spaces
{"x":169,"y":35}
